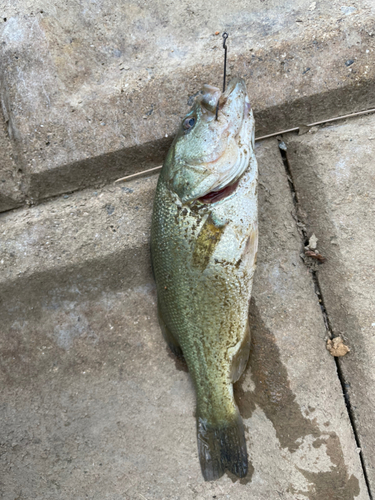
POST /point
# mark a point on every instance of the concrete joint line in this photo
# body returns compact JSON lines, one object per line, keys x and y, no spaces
{"x":314,"y":274}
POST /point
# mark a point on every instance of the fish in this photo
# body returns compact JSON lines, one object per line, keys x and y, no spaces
{"x":204,"y":241}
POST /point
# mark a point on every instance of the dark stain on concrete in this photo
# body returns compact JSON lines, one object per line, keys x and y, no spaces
{"x":272,"y":392}
{"x":274,"y":396}
{"x":334,"y":484}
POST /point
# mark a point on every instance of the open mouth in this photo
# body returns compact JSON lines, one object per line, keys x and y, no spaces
{"x":215,"y":196}
{"x":234,"y":106}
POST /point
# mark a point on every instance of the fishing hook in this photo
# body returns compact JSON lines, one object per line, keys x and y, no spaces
{"x":225,"y":36}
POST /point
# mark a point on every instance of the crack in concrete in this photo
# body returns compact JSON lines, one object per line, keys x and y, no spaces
{"x":314,"y":274}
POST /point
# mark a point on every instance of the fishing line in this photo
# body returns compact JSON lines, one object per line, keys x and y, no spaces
{"x":225,"y":36}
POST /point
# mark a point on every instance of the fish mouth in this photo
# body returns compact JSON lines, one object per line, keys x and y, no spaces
{"x":214,"y":100}
{"x":221,"y":194}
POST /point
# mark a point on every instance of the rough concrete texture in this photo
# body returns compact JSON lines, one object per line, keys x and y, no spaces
{"x":92,"y":89}
{"x":11,"y":195}
{"x":70,"y":233}
{"x":95,"y":406}
{"x":333,"y":171}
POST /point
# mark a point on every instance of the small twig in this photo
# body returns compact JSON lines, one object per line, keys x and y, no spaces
{"x":295,"y":129}
{"x":314,"y":255}
{"x":138,"y":173}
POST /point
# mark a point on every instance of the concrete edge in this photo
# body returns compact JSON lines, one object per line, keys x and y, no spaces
{"x":106,"y":168}
{"x":291,"y":83}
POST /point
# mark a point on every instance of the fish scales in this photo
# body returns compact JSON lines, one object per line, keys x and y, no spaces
{"x":204,"y":244}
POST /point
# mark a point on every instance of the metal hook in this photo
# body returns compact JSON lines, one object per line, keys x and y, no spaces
{"x":225,"y":36}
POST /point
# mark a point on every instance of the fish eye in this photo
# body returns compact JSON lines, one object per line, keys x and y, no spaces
{"x":188,"y":123}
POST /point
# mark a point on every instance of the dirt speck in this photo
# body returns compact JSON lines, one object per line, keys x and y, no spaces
{"x":313,"y":242}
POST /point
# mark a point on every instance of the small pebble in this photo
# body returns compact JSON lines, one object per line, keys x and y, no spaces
{"x":348,"y":10}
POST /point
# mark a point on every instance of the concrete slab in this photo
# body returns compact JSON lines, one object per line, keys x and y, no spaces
{"x":333,"y":172}
{"x":60,"y":240}
{"x":93,"y":404}
{"x":92,"y":90}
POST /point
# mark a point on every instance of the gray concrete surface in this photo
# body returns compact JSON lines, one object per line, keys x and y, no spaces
{"x":11,"y":195}
{"x":91,"y":90}
{"x":93,"y":404}
{"x":333,"y":172}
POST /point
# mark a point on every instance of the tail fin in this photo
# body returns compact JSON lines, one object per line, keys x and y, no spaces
{"x":222,"y":448}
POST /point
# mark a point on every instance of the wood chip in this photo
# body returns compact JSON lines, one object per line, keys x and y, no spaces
{"x":315,"y":255}
{"x":336,"y":347}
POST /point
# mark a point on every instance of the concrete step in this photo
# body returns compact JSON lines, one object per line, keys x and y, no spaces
{"x":93,"y":403}
{"x":92,"y":93}
{"x":333,"y":173}
{"x":70,"y":236}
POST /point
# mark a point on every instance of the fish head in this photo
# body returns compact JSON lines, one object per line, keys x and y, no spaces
{"x":208,"y":155}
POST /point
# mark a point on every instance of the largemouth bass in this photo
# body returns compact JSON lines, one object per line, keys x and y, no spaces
{"x":204,"y":242}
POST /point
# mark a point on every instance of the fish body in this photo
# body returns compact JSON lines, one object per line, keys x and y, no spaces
{"x":203,"y":243}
